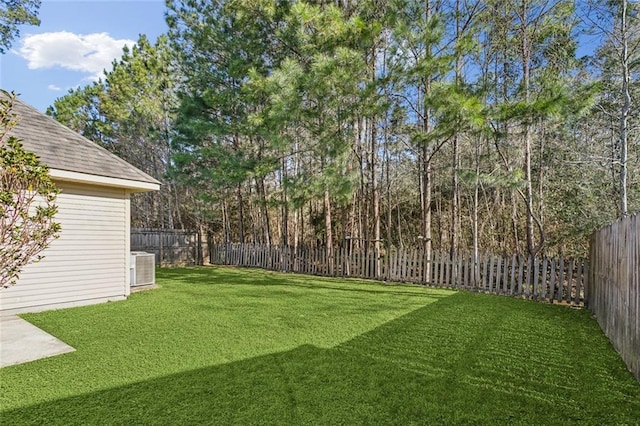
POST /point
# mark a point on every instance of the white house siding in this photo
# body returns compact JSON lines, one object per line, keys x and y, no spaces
{"x":88,"y":263}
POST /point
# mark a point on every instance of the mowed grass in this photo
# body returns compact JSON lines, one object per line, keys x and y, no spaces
{"x":237,"y":346}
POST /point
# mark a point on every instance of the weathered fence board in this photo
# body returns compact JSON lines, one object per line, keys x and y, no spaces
{"x":613,"y":286}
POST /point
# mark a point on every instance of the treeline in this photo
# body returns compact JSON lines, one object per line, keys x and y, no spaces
{"x":462,"y":125}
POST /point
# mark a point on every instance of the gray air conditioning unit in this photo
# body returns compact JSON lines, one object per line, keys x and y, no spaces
{"x":143,"y":268}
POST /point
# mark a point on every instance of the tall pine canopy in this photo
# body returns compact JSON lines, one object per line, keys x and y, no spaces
{"x":460,"y":126}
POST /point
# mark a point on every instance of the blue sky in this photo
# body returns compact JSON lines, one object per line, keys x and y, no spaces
{"x":75,"y":41}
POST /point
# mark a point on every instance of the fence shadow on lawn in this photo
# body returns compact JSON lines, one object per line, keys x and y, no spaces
{"x":242,"y":276}
{"x":466,"y":359}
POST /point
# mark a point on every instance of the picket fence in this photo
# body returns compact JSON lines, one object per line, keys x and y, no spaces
{"x":554,"y":280}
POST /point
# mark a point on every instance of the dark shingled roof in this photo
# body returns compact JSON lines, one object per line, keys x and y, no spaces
{"x":61,"y":148}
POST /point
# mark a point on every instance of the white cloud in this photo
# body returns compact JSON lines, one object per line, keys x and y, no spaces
{"x":90,"y":53}
{"x":54,"y":88}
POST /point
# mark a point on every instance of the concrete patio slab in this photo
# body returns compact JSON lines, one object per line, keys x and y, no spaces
{"x":21,"y":341}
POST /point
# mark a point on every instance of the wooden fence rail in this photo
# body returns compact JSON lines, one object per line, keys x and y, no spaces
{"x":614,"y":287}
{"x":558,"y":280}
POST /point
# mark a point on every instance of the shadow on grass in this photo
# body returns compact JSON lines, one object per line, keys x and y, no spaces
{"x":305,"y":385}
{"x":217,"y":275}
{"x":467,"y":359}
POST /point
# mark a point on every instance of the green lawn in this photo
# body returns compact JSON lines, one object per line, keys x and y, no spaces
{"x":221,"y":346}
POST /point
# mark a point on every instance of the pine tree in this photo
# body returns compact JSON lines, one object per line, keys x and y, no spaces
{"x":130,"y":112}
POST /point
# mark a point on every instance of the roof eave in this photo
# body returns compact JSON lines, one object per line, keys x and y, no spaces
{"x":130,"y":185}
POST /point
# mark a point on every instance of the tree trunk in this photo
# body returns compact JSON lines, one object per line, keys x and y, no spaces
{"x":225,"y":222}
{"x":264,"y":210}
{"x":365,"y":162}
{"x":474,"y":221}
{"x":514,"y":221}
{"x":626,"y":107}
{"x":328,"y":231}
{"x":541,"y":175}
{"x":285,"y":206}
{"x":177,"y":204}
{"x":375,"y":193}
{"x":455,"y":161}
{"x":426,"y":166}
{"x":387,"y":164}
{"x":240,"y":214}
{"x":525,"y":51}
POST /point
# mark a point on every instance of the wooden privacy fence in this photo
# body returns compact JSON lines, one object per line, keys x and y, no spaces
{"x":614,"y":286}
{"x":553,"y":280}
{"x":172,"y":247}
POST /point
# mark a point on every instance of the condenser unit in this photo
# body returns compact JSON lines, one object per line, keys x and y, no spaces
{"x":143,"y":268}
